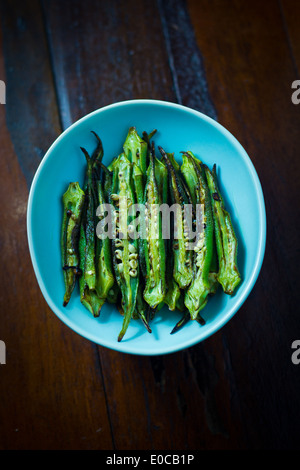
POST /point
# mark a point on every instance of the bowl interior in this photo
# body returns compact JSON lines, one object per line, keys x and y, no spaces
{"x":178,"y":129}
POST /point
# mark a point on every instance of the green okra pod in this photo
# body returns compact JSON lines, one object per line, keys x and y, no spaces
{"x":196,"y":295}
{"x":180,"y":198}
{"x":103,"y":256}
{"x":88,"y":297}
{"x":97,"y":276}
{"x":136,"y":149}
{"x":73,"y":202}
{"x":154,"y":244}
{"x":226,"y":242}
{"x":173,"y":295}
{"x":92,"y":165}
{"x":124,"y":247}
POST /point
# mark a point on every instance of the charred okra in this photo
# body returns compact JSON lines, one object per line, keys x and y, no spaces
{"x":104,"y":271}
{"x":97,"y":277}
{"x":73,"y":201}
{"x":136,"y":149}
{"x":154,"y":243}
{"x":180,"y":198}
{"x":226,"y":241}
{"x":196,"y":295}
{"x":124,"y":247}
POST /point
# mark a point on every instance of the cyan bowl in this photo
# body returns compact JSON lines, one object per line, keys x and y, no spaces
{"x":178,"y":128}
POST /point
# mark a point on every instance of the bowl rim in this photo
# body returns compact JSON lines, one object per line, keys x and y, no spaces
{"x":220,"y":322}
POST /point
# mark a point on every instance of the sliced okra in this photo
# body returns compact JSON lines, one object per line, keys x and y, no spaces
{"x":173,"y":294}
{"x":136,"y":149}
{"x":154,"y":243}
{"x":73,"y":202}
{"x":196,"y":295}
{"x":127,"y":276}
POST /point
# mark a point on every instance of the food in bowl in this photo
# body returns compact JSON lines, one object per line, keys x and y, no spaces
{"x":169,"y":239}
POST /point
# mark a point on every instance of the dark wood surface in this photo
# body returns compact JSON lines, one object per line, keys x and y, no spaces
{"x":233,"y":60}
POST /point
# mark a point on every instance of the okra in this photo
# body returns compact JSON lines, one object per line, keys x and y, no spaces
{"x":180,"y":198}
{"x":104,"y":271}
{"x":93,"y":163}
{"x":154,"y":244}
{"x":226,"y":242}
{"x":143,"y":310}
{"x":124,"y":248}
{"x":173,"y":293}
{"x":97,"y":276}
{"x":183,"y":321}
{"x":196,"y":295}
{"x":88,"y":297}
{"x":73,"y":201}
{"x":113,"y":294}
{"x":107,"y":174}
{"x":136,"y":149}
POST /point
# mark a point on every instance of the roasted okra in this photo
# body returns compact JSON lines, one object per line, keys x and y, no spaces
{"x":146,"y":262}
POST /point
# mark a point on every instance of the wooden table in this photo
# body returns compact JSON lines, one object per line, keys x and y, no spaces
{"x":233,"y":60}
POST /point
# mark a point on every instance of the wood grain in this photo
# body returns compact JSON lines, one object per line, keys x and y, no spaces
{"x":250,"y":71}
{"x":289,"y":10}
{"x":50,"y":377}
{"x":120,"y":54}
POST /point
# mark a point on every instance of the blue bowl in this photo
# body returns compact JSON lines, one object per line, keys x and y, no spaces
{"x":178,"y":128}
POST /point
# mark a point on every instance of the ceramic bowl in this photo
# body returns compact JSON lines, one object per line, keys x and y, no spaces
{"x":178,"y":129}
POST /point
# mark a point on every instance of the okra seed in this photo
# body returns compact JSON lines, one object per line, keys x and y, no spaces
{"x":133,"y":272}
{"x":133,"y":263}
{"x":132,"y":248}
